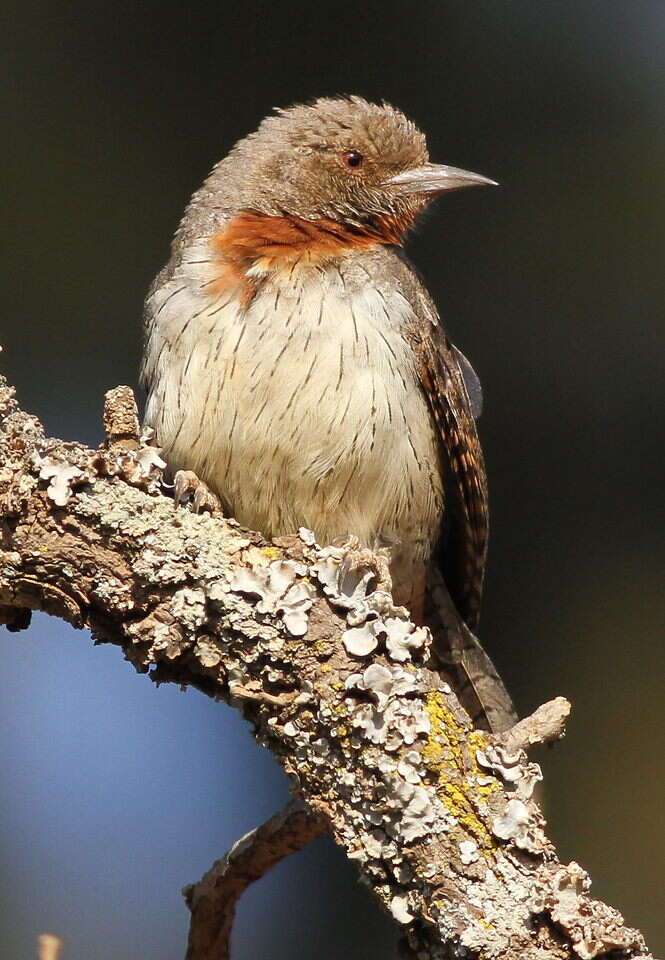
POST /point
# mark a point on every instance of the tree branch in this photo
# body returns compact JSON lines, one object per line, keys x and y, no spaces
{"x":212,"y":901}
{"x":336,"y":681}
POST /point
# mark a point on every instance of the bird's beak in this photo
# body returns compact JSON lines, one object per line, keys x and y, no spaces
{"x":434,"y":178}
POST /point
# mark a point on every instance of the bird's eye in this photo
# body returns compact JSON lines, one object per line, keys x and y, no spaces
{"x":353,"y":159}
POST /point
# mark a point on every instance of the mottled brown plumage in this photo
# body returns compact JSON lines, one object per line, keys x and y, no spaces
{"x":296,"y":363}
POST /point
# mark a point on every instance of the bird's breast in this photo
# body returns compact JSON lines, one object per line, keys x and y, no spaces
{"x":301,"y":407}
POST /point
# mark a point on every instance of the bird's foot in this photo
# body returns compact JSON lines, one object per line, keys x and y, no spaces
{"x":195,"y":495}
{"x":360,"y":561}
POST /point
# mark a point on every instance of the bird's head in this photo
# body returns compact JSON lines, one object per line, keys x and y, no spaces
{"x":359,"y":164}
{"x":312,"y":184}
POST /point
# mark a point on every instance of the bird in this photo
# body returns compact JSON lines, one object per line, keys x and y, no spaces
{"x":298,"y":373}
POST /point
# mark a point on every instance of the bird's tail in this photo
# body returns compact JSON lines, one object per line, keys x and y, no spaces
{"x":471,"y":673}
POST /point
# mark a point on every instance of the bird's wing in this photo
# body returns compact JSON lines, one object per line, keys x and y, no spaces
{"x":455,"y":580}
{"x":464,"y":541}
{"x":472,"y":383}
{"x":452,"y":391}
{"x":454,"y":397}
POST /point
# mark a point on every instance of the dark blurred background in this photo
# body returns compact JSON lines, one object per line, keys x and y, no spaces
{"x":114,"y":794}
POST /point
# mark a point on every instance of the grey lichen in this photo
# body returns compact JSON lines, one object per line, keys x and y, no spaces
{"x":280,"y":591}
{"x":377,"y":679}
{"x":361,"y":641}
{"x":399,"y":907}
{"x":403,"y":638}
{"x":188,"y":605}
{"x":512,"y":823}
{"x":61,"y":478}
{"x":468,"y":851}
{"x":513,"y":768}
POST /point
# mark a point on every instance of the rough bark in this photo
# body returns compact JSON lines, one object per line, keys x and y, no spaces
{"x":336,"y":680}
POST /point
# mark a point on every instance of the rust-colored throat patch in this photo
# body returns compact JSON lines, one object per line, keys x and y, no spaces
{"x":263,"y":244}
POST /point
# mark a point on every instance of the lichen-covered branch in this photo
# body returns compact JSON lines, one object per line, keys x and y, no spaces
{"x":336,"y":680}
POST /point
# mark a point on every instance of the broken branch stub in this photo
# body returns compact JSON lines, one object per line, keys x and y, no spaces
{"x":337,"y":682}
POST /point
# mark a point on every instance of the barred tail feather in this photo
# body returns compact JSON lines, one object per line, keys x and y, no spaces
{"x":472,"y":674}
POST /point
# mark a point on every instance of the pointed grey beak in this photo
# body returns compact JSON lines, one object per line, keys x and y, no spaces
{"x":434,"y":178}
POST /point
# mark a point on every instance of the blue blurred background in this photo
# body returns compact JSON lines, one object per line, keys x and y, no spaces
{"x":114,"y":793}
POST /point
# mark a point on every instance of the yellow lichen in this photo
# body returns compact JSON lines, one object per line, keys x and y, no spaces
{"x":477,"y":741}
{"x":449,"y":764}
{"x":272,"y":553}
{"x":431,"y":752}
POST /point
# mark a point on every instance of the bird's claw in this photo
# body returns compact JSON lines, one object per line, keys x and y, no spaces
{"x":359,"y":561}
{"x":191,"y":492}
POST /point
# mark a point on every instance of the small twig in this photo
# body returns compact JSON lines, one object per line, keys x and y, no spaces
{"x":212,"y":901}
{"x":260,"y":696}
{"x":545,"y":725}
{"x":49,"y":946}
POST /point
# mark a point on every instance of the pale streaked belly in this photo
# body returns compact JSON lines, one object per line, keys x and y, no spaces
{"x":302,"y":410}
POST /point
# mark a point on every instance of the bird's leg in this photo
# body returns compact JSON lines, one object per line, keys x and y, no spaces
{"x":191,"y":492}
{"x":359,"y":561}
